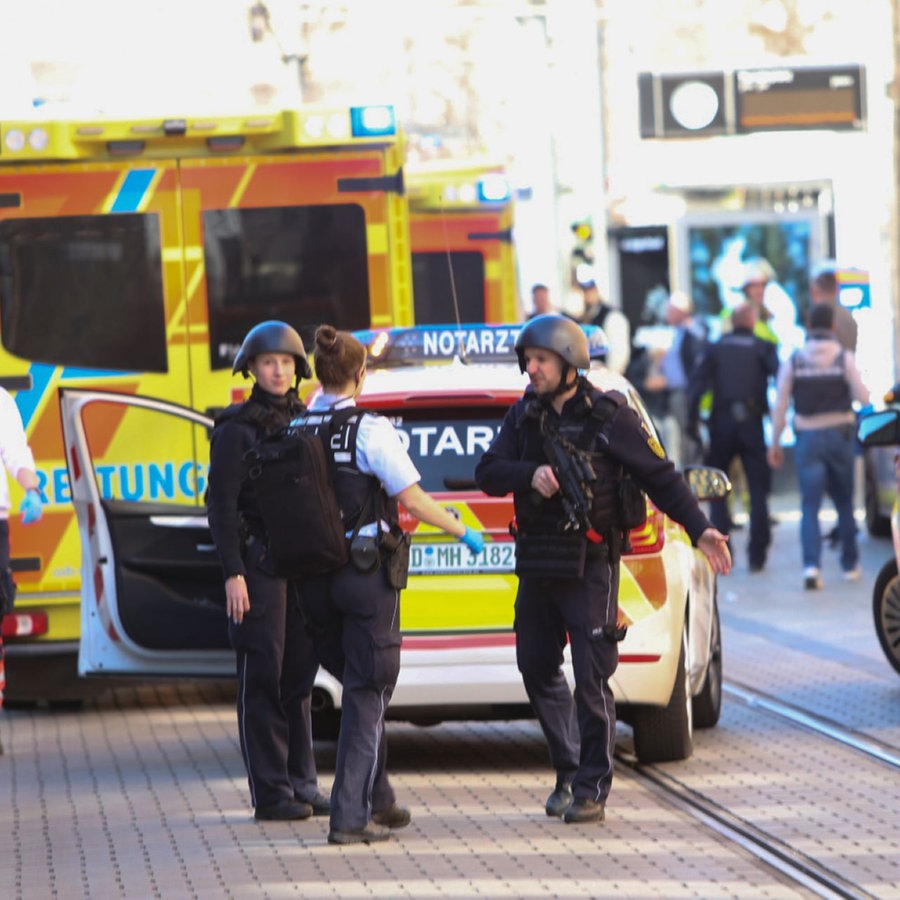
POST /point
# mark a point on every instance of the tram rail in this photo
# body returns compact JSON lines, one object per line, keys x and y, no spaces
{"x":793,"y":865}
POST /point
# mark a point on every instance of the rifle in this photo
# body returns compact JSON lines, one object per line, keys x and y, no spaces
{"x":576,"y":476}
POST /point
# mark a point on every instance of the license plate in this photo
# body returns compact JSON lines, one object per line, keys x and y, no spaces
{"x":457,"y":559}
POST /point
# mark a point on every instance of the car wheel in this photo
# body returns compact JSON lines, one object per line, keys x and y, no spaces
{"x":665,"y":734}
{"x":886,"y":609}
{"x":326,"y":720}
{"x":877,"y":524}
{"x":708,"y":703}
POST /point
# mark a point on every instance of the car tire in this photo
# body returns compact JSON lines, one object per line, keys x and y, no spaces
{"x":708,"y":702}
{"x":886,"y":610}
{"x":877,"y":523}
{"x":665,"y":734}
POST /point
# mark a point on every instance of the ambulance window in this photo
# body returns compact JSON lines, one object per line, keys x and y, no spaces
{"x":433,"y":289}
{"x":84,"y":291}
{"x":445,"y":444}
{"x":304,"y":265}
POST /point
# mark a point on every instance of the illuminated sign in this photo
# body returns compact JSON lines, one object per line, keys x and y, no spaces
{"x":791,"y":98}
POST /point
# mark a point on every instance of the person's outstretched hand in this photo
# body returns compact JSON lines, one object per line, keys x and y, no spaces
{"x":714,"y":545}
{"x":473,"y":540}
{"x":31,"y":507}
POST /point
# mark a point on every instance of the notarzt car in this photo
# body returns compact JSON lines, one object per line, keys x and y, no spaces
{"x":153,"y":597}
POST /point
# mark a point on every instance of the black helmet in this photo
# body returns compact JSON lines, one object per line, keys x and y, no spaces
{"x":560,"y":334}
{"x":272,"y":337}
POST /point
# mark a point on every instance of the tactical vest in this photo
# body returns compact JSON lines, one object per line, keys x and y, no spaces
{"x":546,"y":515}
{"x":356,"y":492}
{"x":265,"y":419}
{"x":818,"y":389}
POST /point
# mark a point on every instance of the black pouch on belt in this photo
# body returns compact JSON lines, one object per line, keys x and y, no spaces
{"x":395,"y":547}
{"x":364,"y":553}
{"x":550,"y":555}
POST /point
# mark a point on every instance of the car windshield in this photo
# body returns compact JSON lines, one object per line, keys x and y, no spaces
{"x":446,"y":443}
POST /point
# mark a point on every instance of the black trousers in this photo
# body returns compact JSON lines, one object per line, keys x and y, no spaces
{"x":4,"y":562}
{"x":580,"y":731}
{"x":355,"y":623}
{"x":729,"y":438}
{"x":276,"y":668}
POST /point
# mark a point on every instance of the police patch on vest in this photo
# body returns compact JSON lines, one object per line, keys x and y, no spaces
{"x":653,"y":442}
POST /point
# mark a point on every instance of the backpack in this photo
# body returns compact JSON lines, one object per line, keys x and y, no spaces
{"x":291,"y":473}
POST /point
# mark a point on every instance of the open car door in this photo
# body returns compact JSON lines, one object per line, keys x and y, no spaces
{"x":153,"y":597}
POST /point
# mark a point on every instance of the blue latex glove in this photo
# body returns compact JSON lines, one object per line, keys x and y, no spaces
{"x":31,"y":507}
{"x":473,"y":540}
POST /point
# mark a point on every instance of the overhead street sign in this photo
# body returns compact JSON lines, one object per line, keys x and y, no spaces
{"x":748,"y":100}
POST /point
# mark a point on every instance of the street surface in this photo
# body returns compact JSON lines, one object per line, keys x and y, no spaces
{"x":142,"y":793}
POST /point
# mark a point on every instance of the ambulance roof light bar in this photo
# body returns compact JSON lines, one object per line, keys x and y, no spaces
{"x":285,"y":130}
{"x":457,"y":191}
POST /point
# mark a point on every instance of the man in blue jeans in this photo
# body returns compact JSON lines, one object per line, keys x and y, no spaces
{"x":822,"y":381}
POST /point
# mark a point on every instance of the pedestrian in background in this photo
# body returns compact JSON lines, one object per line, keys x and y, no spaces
{"x":540,"y":300}
{"x":597,"y":311}
{"x":824,"y":289}
{"x":677,"y":367}
{"x":354,"y":613}
{"x":737,"y":369}
{"x":568,"y":584}
{"x":276,"y":662}
{"x":19,"y":462}
{"x":821,"y":380}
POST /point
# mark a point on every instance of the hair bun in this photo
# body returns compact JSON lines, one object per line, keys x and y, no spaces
{"x":326,"y":336}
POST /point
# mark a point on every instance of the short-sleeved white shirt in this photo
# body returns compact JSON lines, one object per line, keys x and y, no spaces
{"x":14,"y":449}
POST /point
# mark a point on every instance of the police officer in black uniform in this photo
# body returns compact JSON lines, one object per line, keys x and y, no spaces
{"x":579,"y":598}
{"x":737,"y":369}
{"x":276,"y":663}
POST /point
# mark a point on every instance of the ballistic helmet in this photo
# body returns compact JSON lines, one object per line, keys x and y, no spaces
{"x":272,"y":337}
{"x":560,"y":334}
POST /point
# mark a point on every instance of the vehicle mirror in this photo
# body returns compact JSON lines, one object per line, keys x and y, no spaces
{"x":707,"y":483}
{"x":879,"y":429}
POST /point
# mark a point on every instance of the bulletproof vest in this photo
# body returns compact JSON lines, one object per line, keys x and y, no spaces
{"x":266,"y":416}
{"x":820,"y":389}
{"x":593,"y":409}
{"x":356,"y":492}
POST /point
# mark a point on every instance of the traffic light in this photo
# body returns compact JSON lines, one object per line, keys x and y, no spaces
{"x":582,"y":259}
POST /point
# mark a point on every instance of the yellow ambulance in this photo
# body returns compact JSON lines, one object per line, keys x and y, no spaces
{"x":134,"y":256}
{"x":463,"y":253}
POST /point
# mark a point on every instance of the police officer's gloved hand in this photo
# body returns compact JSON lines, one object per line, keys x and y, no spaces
{"x":31,"y":507}
{"x":473,"y":540}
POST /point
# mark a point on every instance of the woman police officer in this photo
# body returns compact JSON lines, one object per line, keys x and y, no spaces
{"x":353,"y":614}
{"x":276,"y":663}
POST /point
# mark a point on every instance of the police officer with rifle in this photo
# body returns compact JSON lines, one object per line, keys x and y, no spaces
{"x":565,"y":451}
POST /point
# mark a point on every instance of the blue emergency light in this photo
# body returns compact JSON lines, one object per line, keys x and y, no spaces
{"x":493,"y":189}
{"x":421,"y":344}
{"x":372,"y":121}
